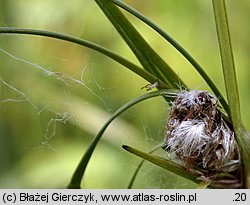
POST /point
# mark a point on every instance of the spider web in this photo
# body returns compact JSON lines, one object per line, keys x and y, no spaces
{"x":62,"y":117}
{"x":17,"y":95}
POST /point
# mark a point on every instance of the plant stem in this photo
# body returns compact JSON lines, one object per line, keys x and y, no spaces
{"x":123,"y":61}
{"x":164,"y":163}
{"x":80,"y":170}
{"x":148,"y":58}
{"x":229,"y":73}
{"x":178,"y":47}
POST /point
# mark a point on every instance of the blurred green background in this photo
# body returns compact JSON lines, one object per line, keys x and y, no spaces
{"x":47,"y":120}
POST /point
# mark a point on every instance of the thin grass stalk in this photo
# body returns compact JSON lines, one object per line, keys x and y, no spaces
{"x":76,"y":179}
{"x":148,"y":58}
{"x":227,"y":59}
{"x":164,"y":163}
{"x":178,"y":47}
{"x":131,"y":183}
{"x":65,"y":37}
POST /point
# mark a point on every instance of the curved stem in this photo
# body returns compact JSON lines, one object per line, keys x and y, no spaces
{"x":123,"y":61}
{"x":146,"y":55}
{"x":178,"y":47}
{"x":80,"y":170}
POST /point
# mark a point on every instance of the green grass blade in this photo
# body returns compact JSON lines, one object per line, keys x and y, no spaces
{"x":229,"y":73}
{"x":164,"y":163}
{"x":131,"y":183}
{"x":80,"y":170}
{"x":178,"y":47}
{"x":123,"y":61}
{"x":227,"y":61}
{"x":148,"y":58}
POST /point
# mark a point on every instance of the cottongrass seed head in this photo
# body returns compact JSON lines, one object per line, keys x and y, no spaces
{"x":201,"y":139}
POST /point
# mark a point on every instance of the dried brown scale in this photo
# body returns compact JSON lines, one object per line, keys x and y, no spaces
{"x":198,"y":135}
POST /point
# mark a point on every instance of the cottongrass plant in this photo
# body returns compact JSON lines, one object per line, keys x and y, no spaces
{"x":202,"y":140}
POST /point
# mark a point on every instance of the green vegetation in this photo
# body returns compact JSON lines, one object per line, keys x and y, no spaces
{"x":58,"y":97}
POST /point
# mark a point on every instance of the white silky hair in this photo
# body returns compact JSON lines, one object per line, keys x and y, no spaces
{"x":189,"y":97}
{"x":196,"y":133}
{"x":188,"y":138}
{"x":227,"y":139}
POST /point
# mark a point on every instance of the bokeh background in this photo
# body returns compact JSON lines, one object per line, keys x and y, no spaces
{"x":48,"y":119}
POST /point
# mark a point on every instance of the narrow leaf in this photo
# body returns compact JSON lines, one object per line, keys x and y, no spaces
{"x":80,"y":170}
{"x":131,"y":183}
{"x":178,"y":47}
{"x":123,"y":61}
{"x":148,"y":58}
{"x":227,"y":61}
{"x":229,"y":73}
{"x":164,"y":163}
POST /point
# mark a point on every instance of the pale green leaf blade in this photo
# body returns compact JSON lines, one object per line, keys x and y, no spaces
{"x":148,"y":58}
{"x":164,"y":163}
{"x":178,"y":47}
{"x":139,"y":167}
{"x":227,"y":59}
